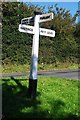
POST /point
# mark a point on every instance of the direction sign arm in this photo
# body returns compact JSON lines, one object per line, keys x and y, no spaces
{"x":46,"y":17}
{"x":27,"y":20}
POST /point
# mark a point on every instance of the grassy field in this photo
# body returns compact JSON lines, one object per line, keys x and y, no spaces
{"x":57,"y":99}
{"x":41,"y":67}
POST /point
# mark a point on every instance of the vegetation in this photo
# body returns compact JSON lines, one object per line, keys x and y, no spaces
{"x":13,"y":68}
{"x":17,"y":46}
{"x":57,"y":98}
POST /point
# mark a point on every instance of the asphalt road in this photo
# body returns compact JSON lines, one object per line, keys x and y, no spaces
{"x":68,"y":74}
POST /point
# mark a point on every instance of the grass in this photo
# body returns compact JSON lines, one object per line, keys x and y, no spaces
{"x":41,"y":67}
{"x":57,"y":99}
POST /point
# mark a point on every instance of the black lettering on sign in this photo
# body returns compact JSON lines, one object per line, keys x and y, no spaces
{"x":43,"y":31}
{"x":27,"y":29}
{"x":23,"y":28}
{"x":45,"y":17}
{"x":25,"y":21}
{"x":50,"y":33}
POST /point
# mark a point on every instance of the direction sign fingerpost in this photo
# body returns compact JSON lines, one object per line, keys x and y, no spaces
{"x":35,"y":30}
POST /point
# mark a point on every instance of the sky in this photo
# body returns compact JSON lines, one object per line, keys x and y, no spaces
{"x":50,"y":0}
{"x":72,"y":6}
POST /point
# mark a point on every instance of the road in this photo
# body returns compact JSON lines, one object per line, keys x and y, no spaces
{"x":68,"y":74}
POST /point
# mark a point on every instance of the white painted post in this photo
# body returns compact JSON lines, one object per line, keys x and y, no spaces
{"x":35,"y":47}
{"x":36,"y":31}
{"x":34,"y":64}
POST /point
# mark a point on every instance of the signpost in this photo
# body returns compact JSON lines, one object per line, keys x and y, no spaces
{"x":26,"y":29}
{"x":35,"y":30}
{"x":47,"y":32}
{"x":42,"y":31}
{"x":28,"y":20}
{"x":45,"y":17}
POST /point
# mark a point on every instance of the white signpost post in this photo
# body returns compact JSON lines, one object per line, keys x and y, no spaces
{"x":35,"y":30}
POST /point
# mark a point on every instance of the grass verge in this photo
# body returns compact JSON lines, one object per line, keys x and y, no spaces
{"x":57,"y":99}
{"x":41,"y":67}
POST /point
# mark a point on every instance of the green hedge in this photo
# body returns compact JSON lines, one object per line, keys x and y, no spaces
{"x":17,"y":47}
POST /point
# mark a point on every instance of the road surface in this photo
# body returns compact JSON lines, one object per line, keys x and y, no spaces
{"x":68,"y":74}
